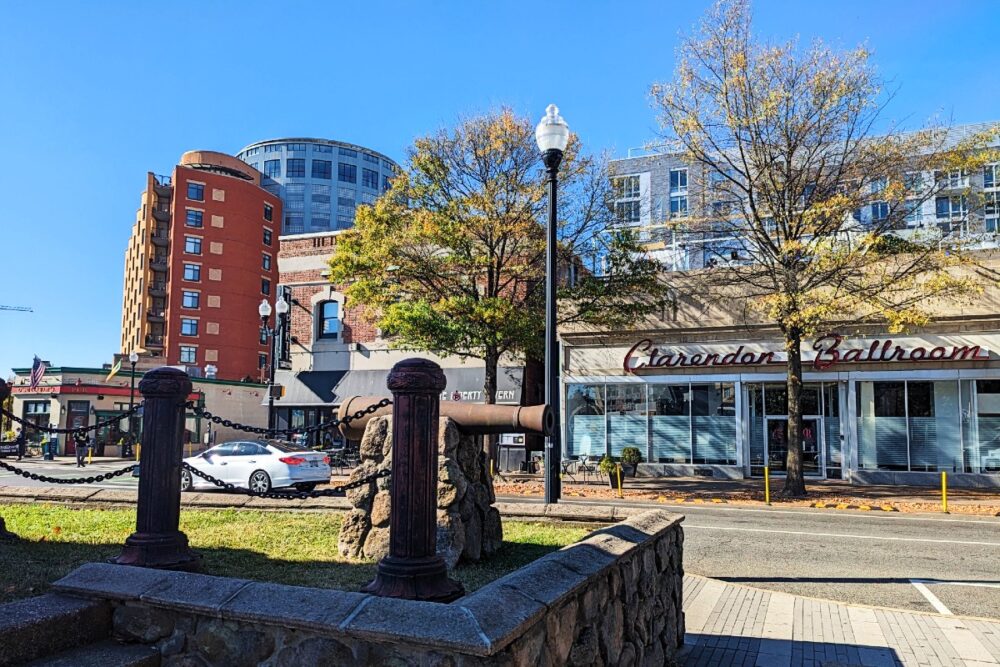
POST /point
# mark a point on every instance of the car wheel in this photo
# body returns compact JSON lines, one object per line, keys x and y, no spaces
{"x":306,"y":486}
{"x":186,"y":482}
{"x":260,"y":481}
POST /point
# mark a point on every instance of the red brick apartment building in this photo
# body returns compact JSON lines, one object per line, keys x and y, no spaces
{"x":202,"y":255}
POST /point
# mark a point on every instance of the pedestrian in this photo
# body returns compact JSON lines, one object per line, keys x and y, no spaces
{"x":21,"y":443}
{"x":80,"y":439}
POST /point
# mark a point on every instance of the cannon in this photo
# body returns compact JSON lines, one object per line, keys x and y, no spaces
{"x":472,"y":418}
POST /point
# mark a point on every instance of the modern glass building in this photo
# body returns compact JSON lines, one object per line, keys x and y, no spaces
{"x":320,"y":181}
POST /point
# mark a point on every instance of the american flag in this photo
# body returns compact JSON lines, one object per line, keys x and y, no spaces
{"x":37,"y":371}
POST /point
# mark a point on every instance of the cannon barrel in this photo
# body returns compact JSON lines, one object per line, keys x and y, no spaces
{"x":473,"y":418}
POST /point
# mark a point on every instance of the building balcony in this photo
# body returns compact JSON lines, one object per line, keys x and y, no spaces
{"x":161,"y":214}
{"x":155,"y":315}
{"x":157,"y":289}
{"x":154,"y":340}
{"x":158,"y":262}
{"x":160,"y":238}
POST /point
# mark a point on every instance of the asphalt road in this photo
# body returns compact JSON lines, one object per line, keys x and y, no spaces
{"x":65,"y":468}
{"x":905,"y":561}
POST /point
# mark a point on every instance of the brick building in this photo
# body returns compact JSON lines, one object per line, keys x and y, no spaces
{"x":332,"y":352}
{"x":201,"y":256}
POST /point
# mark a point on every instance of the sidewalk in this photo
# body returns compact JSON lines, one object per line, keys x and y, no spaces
{"x":729,"y":624}
{"x":751,"y":491}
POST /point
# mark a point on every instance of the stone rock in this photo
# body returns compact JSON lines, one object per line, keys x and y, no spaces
{"x":380,"y":509}
{"x":448,"y":438}
{"x":469,"y":526}
{"x":377,"y":543}
{"x":316,"y":652}
{"x":492,"y":531}
{"x":362,"y":497}
{"x":226,"y":644}
{"x":450,"y":537}
{"x":353,"y":531}
{"x":585,"y":649}
{"x":143,"y":624}
{"x":377,"y":434}
{"x":186,"y":660}
{"x":473,"y":549}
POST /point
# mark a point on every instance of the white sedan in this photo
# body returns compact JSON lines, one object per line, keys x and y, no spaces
{"x":258,"y":465}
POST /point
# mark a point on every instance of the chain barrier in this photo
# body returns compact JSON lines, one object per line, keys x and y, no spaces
{"x":274,"y":433}
{"x":286,"y":495}
{"x":80,"y":429}
{"x":68,"y":480}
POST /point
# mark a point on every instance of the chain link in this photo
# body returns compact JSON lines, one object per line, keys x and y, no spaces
{"x":274,"y":433}
{"x":68,"y":480}
{"x":80,"y":429}
{"x":287,"y":495}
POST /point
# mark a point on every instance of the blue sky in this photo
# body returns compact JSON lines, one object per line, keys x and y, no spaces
{"x":94,"y":95}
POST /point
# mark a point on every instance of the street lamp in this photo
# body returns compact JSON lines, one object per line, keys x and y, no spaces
{"x":133,"y":359}
{"x":264,"y":310}
{"x":552,"y":135}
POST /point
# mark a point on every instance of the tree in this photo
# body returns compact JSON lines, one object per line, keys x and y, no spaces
{"x":816,"y":220}
{"x":451,"y":259}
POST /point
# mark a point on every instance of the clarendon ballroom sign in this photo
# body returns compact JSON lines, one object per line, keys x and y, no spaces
{"x":826,"y":352}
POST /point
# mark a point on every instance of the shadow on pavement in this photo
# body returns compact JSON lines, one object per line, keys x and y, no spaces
{"x":722,"y":650}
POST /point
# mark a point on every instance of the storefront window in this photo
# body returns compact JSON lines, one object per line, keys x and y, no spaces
{"x":626,"y":417}
{"x":755,"y":414}
{"x":585,"y":412}
{"x":670,"y":423}
{"x":713,"y":423}
{"x":908,"y":425}
{"x":831,"y":430}
{"x":981,"y":425}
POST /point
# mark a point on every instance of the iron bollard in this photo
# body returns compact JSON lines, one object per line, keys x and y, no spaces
{"x":157,"y":542}
{"x":413,"y":570}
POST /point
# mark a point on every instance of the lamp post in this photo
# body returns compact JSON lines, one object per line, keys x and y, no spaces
{"x":133,"y":359}
{"x":552,"y":135}
{"x":264,"y":310}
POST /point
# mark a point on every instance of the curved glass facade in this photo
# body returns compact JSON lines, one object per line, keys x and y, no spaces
{"x":321,"y":182}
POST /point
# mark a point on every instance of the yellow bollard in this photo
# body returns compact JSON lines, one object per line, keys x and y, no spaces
{"x":190,"y":449}
{"x":944,"y":492}
{"x":767,"y":485}
{"x":138,"y":448}
{"x":90,"y":455}
{"x":618,"y":469}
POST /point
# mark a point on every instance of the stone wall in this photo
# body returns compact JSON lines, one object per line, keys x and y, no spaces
{"x":469,"y":526}
{"x":612,"y":599}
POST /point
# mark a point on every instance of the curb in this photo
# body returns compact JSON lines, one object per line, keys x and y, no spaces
{"x":694,"y":501}
{"x":864,"y":508}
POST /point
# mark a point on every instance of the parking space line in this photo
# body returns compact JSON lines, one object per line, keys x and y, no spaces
{"x":847,"y":535}
{"x":933,"y":599}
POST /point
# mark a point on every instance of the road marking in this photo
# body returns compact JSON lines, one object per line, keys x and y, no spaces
{"x":933,"y":599}
{"x":848,"y":535}
{"x":889,"y":516}
{"x":978,"y":584}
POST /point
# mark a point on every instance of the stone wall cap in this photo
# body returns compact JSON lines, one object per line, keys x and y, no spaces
{"x":502,"y":613}
{"x":199,"y":593}
{"x":292,"y":606}
{"x":111,"y":582}
{"x":444,"y":626}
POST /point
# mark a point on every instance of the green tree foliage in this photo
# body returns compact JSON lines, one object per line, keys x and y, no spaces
{"x":451,"y":259}
{"x":822,"y":213}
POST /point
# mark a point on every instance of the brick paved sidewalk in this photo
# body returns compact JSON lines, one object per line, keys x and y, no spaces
{"x":728,"y":624}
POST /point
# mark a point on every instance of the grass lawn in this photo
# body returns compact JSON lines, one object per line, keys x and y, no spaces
{"x":296,"y":548}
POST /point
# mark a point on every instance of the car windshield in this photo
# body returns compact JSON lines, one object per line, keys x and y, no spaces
{"x":285,"y":446}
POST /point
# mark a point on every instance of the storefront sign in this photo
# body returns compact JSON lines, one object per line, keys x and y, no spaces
{"x":78,"y":389}
{"x":827,"y":351}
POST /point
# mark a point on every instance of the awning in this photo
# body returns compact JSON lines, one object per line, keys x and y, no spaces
{"x":316,"y":388}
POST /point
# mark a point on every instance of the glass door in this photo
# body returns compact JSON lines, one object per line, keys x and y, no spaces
{"x":812,"y":445}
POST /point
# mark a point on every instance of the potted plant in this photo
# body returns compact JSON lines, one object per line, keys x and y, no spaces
{"x":608,"y":467}
{"x":631,"y":458}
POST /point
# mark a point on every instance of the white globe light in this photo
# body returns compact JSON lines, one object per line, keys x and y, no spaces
{"x":281,"y":306}
{"x":264,"y":309}
{"x":133,"y":358}
{"x":552,"y":132}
